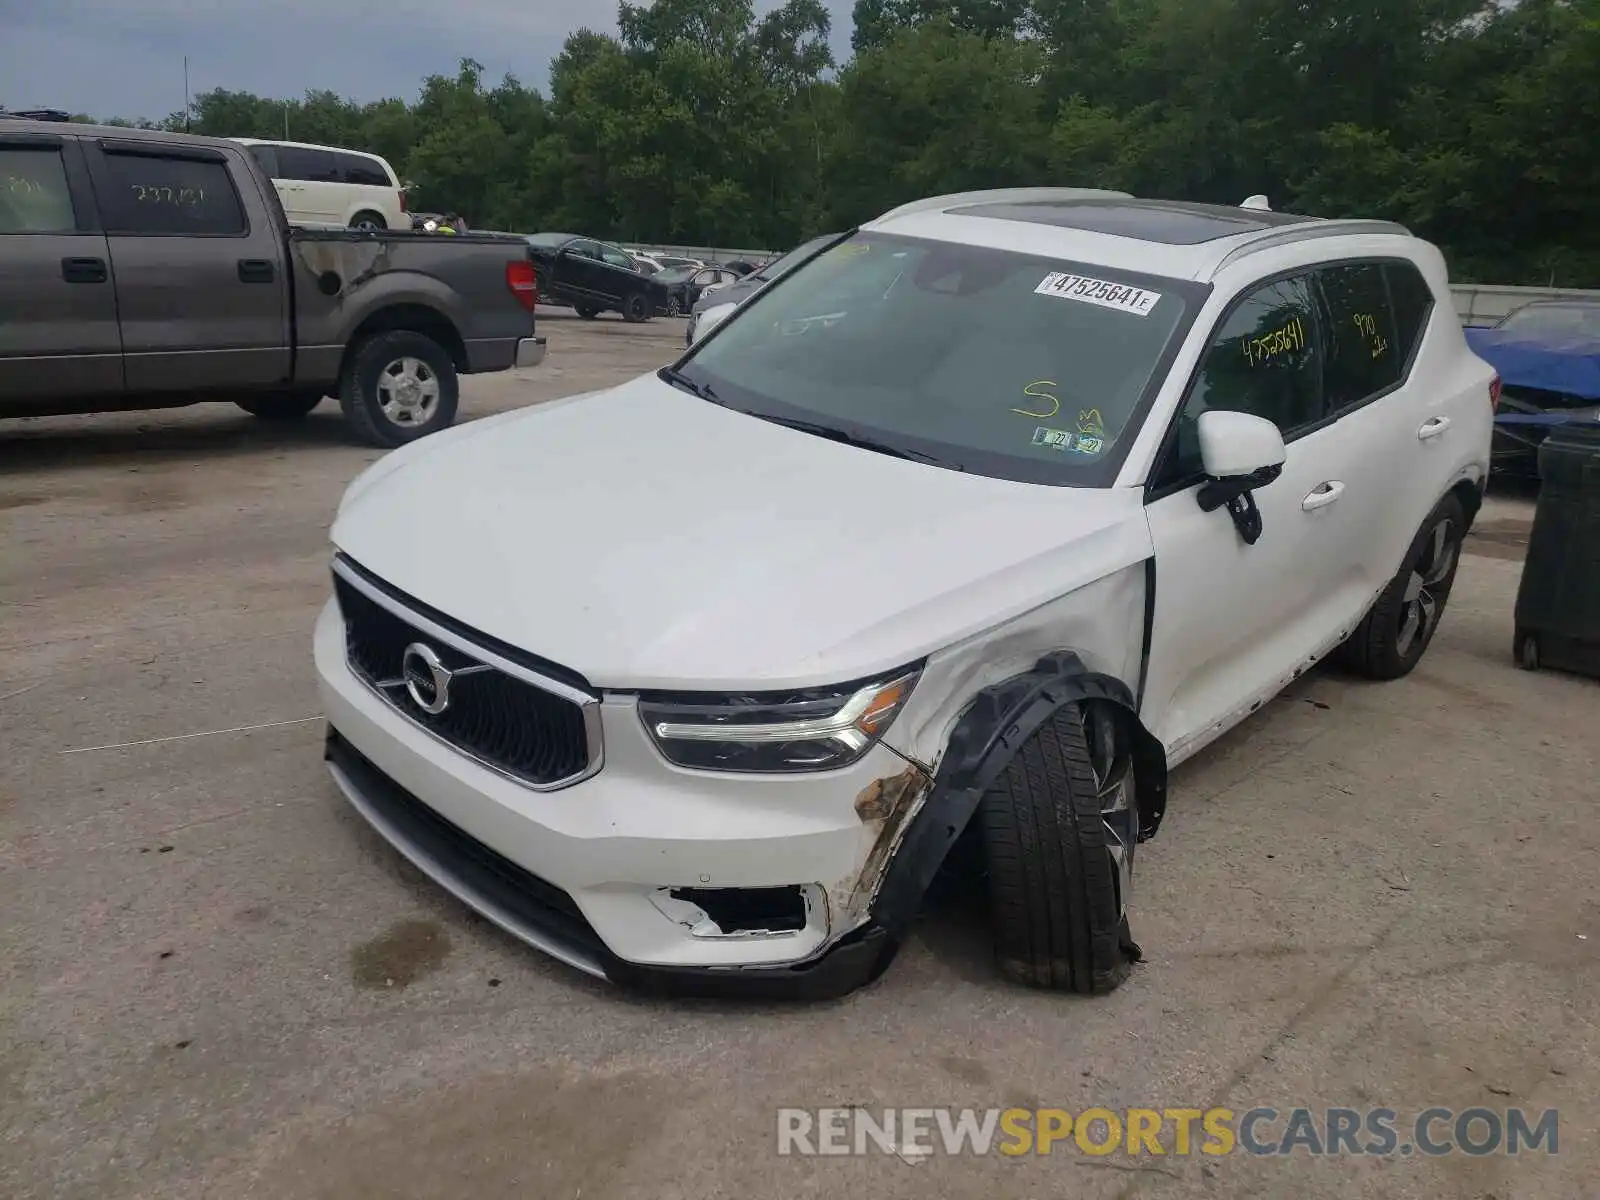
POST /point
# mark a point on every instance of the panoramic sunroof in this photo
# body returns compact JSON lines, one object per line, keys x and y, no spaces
{"x":1171,"y":223}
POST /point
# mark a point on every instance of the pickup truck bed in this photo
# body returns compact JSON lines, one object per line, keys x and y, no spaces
{"x":149,"y":270}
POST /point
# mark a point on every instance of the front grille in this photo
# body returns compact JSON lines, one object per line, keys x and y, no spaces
{"x":503,"y":721}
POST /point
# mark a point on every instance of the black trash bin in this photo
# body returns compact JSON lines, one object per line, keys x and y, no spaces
{"x":1558,"y":601}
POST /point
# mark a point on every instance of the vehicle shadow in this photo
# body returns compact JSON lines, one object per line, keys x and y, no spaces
{"x":156,"y":438}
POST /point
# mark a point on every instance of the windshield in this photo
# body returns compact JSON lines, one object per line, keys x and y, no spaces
{"x":1555,"y":319}
{"x":976,"y":359}
{"x":789,"y":261}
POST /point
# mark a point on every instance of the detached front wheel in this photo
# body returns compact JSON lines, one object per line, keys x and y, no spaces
{"x":398,"y":387}
{"x":1060,"y":827}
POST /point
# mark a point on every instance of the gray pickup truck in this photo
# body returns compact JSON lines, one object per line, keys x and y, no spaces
{"x":141,"y":269}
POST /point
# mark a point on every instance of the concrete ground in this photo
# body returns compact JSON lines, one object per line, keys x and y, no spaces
{"x":216,"y":982}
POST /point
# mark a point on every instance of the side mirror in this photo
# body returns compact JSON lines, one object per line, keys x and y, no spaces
{"x":710,"y":318}
{"x":1240,"y":453}
{"x":1233,"y":444}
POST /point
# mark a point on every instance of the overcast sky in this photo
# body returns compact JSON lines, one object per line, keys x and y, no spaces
{"x":125,"y":57}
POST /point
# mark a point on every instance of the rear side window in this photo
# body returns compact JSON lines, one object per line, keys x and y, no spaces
{"x":1264,"y":360}
{"x":312,"y":166}
{"x":363,"y":170}
{"x":1413,"y":305}
{"x":34,"y":196}
{"x":267,"y":159}
{"x":153,"y":194}
{"x":1364,"y":356}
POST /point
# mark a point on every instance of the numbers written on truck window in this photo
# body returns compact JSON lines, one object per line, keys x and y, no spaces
{"x":183,"y":197}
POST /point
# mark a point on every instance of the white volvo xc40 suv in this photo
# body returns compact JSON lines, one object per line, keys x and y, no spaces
{"x":975,"y":524}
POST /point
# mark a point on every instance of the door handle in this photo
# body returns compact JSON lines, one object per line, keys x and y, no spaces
{"x":1322,"y":495}
{"x":1432,"y":428}
{"x":84,"y":270}
{"x":256,"y":270}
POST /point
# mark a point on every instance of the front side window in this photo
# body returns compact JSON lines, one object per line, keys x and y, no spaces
{"x":155,"y":194}
{"x":616,"y":258}
{"x":1264,"y":360}
{"x":972,"y":358}
{"x":34,"y":196}
{"x":1364,"y":352}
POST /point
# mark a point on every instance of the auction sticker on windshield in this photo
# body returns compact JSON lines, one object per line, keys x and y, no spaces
{"x":1098,"y":291}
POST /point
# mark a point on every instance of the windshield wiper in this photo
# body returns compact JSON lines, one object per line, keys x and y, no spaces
{"x":833,"y":434}
{"x":683,"y":383}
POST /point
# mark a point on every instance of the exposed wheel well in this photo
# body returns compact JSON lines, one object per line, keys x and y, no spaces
{"x":418,"y":318}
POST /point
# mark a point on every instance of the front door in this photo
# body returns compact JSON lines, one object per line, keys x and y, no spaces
{"x":59,"y":336}
{"x":200,"y":287}
{"x":1234,"y":621}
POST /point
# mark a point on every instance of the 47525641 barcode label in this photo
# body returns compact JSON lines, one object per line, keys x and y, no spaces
{"x":1106,"y":294}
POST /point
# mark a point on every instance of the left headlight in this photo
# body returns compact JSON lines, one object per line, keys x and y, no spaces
{"x":814,"y":730}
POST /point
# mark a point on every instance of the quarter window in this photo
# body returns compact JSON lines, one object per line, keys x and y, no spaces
{"x":154,"y":194}
{"x":1413,"y":305}
{"x":1364,"y":355}
{"x":34,"y":196}
{"x":364,"y":171}
{"x":1265,"y":360}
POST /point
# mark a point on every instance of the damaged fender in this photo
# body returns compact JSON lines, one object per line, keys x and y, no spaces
{"x":991,"y":729}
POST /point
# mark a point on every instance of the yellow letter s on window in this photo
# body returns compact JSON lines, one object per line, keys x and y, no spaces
{"x":1055,"y":405}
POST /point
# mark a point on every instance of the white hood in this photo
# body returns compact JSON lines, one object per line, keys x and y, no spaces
{"x":648,"y":539}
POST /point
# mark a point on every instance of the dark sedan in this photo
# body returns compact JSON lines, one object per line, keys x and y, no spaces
{"x":594,"y":277}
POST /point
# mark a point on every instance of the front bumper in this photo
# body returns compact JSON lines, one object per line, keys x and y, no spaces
{"x":580,"y":873}
{"x":530,"y":351}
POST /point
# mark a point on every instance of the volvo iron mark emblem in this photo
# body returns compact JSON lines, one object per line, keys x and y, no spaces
{"x":427,"y":679}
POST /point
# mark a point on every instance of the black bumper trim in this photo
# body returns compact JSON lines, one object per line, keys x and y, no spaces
{"x":546,"y":918}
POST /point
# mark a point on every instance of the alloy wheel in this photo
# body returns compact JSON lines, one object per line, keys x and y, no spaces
{"x":1424,"y":594}
{"x":408,"y":392}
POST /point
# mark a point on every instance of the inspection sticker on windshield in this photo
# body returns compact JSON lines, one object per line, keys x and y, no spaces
{"x":1098,"y":291}
{"x":1067,"y":441}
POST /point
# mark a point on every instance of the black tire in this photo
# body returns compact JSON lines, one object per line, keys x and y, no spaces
{"x":281,"y":406}
{"x":368,"y":220}
{"x":359,"y":395}
{"x":1379,"y":649}
{"x":1526,"y":651}
{"x":1053,"y":884}
{"x":584,"y":311}
{"x":636,"y":308}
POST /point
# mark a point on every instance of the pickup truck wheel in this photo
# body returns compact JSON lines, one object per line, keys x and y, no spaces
{"x":587,"y":313}
{"x":636,"y":308}
{"x":281,"y":406}
{"x":1059,"y":830}
{"x":398,"y":387}
{"x":1392,"y":638}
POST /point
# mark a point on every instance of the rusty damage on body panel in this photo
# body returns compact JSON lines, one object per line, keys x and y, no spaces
{"x":352,"y":262}
{"x":888,"y":804}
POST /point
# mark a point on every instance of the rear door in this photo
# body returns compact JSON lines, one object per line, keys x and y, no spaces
{"x":618,"y":276}
{"x":370,"y":190}
{"x":311,"y":179}
{"x":199,"y":273}
{"x":580,"y":264}
{"x":59,"y":336}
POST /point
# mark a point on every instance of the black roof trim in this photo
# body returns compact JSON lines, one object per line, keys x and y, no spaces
{"x":1170,"y":222}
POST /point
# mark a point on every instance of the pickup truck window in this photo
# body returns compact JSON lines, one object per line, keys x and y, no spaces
{"x":151,"y":194}
{"x":34,"y":197}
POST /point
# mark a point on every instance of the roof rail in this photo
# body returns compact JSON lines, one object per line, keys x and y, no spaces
{"x":1026,"y":195}
{"x":36,"y":114}
{"x":1313,"y":227}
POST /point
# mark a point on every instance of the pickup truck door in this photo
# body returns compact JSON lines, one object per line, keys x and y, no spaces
{"x":59,"y":336}
{"x":198,"y":261}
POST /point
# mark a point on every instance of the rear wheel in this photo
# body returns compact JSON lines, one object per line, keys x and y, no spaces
{"x":636,"y":308}
{"x":1060,"y":827}
{"x":368,"y":220}
{"x":398,"y":387}
{"x":1392,"y":638}
{"x":281,"y":406}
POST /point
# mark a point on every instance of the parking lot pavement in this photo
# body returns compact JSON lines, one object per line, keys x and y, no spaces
{"x":215,"y":982}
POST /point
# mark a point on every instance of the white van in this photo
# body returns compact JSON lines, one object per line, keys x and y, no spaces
{"x":328,"y":185}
